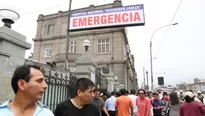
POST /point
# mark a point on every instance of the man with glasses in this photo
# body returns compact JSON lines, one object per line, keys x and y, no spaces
{"x":143,"y":103}
{"x":80,"y":105}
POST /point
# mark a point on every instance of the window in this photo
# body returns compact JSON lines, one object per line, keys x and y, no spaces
{"x":49,"y":29}
{"x":104,"y":45}
{"x":47,"y":50}
{"x":72,"y":48}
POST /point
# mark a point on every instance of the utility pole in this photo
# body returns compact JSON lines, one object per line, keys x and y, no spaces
{"x":151,"y":67}
{"x":67,"y":37}
{"x":147,"y":81}
{"x":144,"y":77}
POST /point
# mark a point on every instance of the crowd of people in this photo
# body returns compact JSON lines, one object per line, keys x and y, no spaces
{"x":28,"y":84}
{"x":158,"y":103}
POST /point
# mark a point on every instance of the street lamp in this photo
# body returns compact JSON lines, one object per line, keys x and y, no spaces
{"x":67,"y":36}
{"x":147,"y":81}
{"x":115,"y":78}
{"x":144,"y":70}
{"x":8,"y":17}
{"x":86,"y":44}
{"x":151,"y":50}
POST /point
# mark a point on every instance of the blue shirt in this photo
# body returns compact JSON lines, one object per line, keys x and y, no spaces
{"x":110,"y":103}
{"x":41,"y":110}
{"x":157,"y":103}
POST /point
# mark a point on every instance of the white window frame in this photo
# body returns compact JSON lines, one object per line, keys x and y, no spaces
{"x":47,"y":50}
{"x":72,"y":47}
{"x":105,"y":44}
{"x":49,"y":29}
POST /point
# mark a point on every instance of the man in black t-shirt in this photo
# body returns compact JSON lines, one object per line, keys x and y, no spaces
{"x":80,"y":105}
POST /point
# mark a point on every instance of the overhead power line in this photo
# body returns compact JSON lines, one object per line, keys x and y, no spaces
{"x":32,"y":12}
{"x":169,"y":27}
{"x":43,"y":9}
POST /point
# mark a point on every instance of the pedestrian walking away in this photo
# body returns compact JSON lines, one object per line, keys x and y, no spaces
{"x":110,"y":104}
{"x":191,"y":107}
{"x":123,"y":104}
{"x":133,"y":97}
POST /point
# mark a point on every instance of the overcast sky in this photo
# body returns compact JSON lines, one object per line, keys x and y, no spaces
{"x":180,"y":54}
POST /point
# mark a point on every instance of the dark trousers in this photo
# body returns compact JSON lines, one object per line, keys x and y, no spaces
{"x":112,"y":113}
{"x":103,"y":113}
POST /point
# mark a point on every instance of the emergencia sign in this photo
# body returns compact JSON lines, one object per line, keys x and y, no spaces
{"x":110,"y":17}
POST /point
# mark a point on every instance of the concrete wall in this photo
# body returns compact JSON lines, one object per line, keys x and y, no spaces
{"x":12,"y":52}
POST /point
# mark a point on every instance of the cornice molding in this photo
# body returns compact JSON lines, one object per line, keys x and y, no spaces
{"x":78,"y":34}
{"x":49,"y":38}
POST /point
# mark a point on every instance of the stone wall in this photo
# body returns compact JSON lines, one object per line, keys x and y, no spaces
{"x":13,"y":46}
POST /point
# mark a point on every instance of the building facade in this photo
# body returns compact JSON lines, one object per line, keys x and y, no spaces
{"x":109,"y":47}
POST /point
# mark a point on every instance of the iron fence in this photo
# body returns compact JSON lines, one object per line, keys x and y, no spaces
{"x":59,"y":88}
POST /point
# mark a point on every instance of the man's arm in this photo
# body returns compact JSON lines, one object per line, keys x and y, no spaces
{"x":131,"y":109}
{"x":202,"y":108}
{"x":105,"y":110}
{"x":162,"y":105}
{"x":106,"y":104}
{"x":149,"y":106}
{"x":116,"y":107}
{"x":148,"y":112}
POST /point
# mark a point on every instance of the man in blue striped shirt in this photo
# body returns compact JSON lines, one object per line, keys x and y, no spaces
{"x":110,"y":104}
{"x":28,"y":84}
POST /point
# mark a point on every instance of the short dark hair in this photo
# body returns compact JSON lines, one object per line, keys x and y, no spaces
{"x":118,"y":94}
{"x":83,"y":84}
{"x":97,"y":90}
{"x":165,"y":93}
{"x":21,"y":72}
{"x":188,"y":99}
{"x":133,"y":91}
{"x":141,"y":90}
{"x":123,"y":91}
{"x":113,"y":93}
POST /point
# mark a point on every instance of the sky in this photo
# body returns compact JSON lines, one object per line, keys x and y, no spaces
{"x":178,"y":49}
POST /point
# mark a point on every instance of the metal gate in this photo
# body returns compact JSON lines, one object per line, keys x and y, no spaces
{"x":101,"y":81}
{"x":59,"y":88}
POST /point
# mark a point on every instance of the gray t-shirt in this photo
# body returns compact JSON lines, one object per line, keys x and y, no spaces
{"x":99,"y":103}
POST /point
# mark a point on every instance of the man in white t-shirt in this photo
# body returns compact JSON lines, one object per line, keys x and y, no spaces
{"x":133,"y":97}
